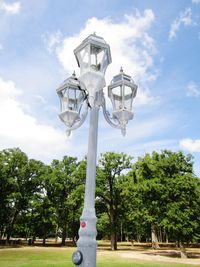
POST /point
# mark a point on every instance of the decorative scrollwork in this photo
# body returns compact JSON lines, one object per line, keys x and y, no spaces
{"x":79,"y":122}
{"x":111,"y":120}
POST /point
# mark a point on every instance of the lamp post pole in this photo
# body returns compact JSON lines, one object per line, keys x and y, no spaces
{"x":93,"y":57}
{"x":87,"y":243}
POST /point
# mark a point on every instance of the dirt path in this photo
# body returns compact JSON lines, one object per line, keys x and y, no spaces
{"x":154,"y":256}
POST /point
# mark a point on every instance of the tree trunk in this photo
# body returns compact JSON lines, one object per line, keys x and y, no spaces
{"x":115,"y":244}
{"x":33,"y":239}
{"x":74,"y":239}
{"x":183,"y":251}
{"x":167,"y":240}
{"x":56,"y":234}
{"x":2,"y":233}
{"x":113,"y":235}
{"x":138,"y":238}
{"x":113,"y":241}
{"x":154,"y":237}
{"x":11,"y":225}
{"x":44,"y":236}
{"x":160,"y":236}
{"x":121,"y":232}
{"x":64,"y":234}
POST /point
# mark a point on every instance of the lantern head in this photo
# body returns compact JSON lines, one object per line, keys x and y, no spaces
{"x":93,"y":54}
{"x":93,"y":57}
{"x":72,"y":95}
{"x":121,"y":92}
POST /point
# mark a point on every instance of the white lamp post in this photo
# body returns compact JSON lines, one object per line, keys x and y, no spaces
{"x":77,"y":96}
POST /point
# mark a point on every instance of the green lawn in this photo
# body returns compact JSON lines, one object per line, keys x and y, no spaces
{"x":61,"y":257}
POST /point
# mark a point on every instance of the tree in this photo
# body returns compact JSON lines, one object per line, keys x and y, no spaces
{"x":165,"y":190}
{"x":5,"y":191}
{"x":135,"y":227}
{"x":59,"y":186}
{"x":182,"y":210}
{"x":109,"y":176}
{"x":76,"y":199}
{"x":29,"y":221}
{"x":41,"y":217}
{"x":18,"y":183}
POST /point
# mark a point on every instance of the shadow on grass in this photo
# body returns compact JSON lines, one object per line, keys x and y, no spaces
{"x":26,"y":243}
{"x":174,"y":254}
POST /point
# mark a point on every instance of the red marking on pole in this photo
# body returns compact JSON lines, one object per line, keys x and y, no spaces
{"x":83,"y":224}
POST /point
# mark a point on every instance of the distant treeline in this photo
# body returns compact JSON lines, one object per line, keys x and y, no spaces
{"x":155,"y":199}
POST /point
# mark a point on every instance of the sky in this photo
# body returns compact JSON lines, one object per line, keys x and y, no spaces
{"x":157,"y":42}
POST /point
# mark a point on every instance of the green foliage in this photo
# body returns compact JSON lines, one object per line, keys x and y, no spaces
{"x":60,"y":184}
{"x":158,"y":193}
{"x":110,"y":174}
{"x":164,"y":193}
{"x":103,"y":225}
{"x":19,"y":180}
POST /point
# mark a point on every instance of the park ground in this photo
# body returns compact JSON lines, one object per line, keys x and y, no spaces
{"x":125,"y":256}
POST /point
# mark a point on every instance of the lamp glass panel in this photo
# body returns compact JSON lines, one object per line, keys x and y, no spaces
{"x":84,"y":58}
{"x":117,"y":97}
{"x":71,"y":99}
{"x":80,"y":97}
{"x":76,"y":98}
{"x":64,"y":103}
{"x":105,"y":62}
{"x":63,"y":99}
{"x":97,"y":56}
{"x":71,"y":93}
{"x":128,"y":97}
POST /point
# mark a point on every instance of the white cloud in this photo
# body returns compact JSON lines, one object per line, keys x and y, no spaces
{"x":144,"y":98}
{"x":193,"y":89}
{"x":185,"y":19}
{"x":132,"y":47}
{"x":51,"y":40}
{"x":18,"y":129}
{"x":40,"y":99}
{"x":190,"y":145}
{"x":13,"y":8}
{"x":196,"y":1}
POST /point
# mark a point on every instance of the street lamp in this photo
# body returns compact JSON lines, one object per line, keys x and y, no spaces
{"x":93,"y":57}
{"x":77,"y":96}
{"x":72,"y":96}
{"x":121,"y":92}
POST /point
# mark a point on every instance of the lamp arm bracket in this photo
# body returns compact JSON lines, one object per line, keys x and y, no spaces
{"x":109,"y":119}
{"x":79,"y":122}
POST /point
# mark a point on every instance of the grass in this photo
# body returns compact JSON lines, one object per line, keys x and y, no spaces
{"x":61,"y":257}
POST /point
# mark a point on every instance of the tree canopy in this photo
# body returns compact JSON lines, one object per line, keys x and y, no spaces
{"x":153,"y":198}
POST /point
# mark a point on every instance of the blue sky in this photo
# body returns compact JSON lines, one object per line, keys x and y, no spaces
{"x":157,"y":43}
